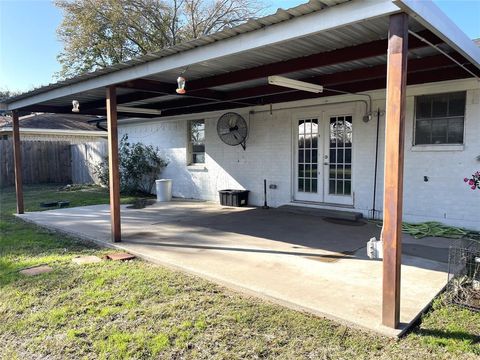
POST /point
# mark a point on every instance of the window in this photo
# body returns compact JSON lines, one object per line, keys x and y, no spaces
{"x":439,"y":118}
{"x":196,"y":131}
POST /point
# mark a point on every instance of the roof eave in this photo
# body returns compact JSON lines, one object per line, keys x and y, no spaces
{"x":315,"y":22}
{"x":434,"y":19}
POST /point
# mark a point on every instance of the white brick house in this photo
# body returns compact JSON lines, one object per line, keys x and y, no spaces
{"x":317,"y":140}
{"x":434,"y":187}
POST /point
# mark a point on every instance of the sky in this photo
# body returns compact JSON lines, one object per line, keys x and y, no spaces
{"x":29,"y":44}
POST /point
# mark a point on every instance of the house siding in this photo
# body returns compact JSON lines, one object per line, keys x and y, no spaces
{"x":269,"y":155}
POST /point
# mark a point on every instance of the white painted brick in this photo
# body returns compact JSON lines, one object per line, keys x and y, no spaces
{"x":443,"y":198}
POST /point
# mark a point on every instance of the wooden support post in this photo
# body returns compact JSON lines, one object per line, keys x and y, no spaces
{"x":17,"y":159}
{"x":114,"y":177}
{"x":393,"y":175}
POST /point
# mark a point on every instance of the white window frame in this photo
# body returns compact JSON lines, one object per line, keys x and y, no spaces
{"x":190,"y":151}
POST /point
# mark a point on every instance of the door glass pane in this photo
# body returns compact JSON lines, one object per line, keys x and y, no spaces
{"x":308,"y":155}
{"x":308,"y":171}
{"x":348,"y":155}
{"x":300,"y":184}
{"x":300,"y":156}
{"x":348,"y":171}
{"x":348,"y":187}
{"x":301,"y":141}
{"x":331,"y":187}
{"x":301,"y":172}
{"x":340,"y":155}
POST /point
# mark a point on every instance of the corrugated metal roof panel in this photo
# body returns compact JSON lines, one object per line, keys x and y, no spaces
{"x":251,"y":25}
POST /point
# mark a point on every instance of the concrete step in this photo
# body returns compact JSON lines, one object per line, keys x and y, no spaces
{"x":325,"y":213}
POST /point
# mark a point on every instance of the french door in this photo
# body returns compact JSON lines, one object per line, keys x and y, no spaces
{"x":308,"y":153}
{"x":323,"y":158}
{"x":338,"y":159}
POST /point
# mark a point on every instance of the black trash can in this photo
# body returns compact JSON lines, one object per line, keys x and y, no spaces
{"x":231,"y":197}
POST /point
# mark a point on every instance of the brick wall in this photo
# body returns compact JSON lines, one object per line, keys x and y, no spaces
{"x":269,"y":155}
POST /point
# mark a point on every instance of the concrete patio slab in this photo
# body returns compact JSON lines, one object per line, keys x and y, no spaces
{"x":296,"y":260}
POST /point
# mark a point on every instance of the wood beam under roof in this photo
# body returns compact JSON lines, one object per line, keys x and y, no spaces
{"x":421,"y":77}
{"x":199,"y":90}
{"x":428,"y":69}
{"x":350,"y":53}
{"x":239,"y":97}
{"x":256,"y":94}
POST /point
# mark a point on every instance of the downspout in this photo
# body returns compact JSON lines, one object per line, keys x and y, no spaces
{"x":373,"y":211}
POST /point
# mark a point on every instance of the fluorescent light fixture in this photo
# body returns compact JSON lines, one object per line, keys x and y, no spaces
{"x":294,"y":84}
{"x":136,"y":110}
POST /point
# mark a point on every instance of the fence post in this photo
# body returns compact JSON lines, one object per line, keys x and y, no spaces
{"x":17,"y":159}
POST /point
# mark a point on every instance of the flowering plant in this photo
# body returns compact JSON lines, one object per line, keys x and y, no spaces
{"x":474,"y":181}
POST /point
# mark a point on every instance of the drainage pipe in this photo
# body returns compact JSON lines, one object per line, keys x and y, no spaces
{"x":376,"y":166}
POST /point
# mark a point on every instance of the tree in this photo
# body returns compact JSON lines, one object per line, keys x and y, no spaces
{"x":98,"y":33}
{"x":6,"y":93}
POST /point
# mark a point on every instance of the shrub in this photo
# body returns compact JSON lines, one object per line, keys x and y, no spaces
{"x":139,"y":166}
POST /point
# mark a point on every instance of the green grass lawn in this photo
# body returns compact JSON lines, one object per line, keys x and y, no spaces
{"x":138,"y":310}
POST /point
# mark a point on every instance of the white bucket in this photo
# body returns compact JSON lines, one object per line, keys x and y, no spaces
{"x":375,"y":248}
{"x":164,"y":189}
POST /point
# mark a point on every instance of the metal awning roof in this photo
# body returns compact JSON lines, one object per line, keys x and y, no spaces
{"x":339,"y":43}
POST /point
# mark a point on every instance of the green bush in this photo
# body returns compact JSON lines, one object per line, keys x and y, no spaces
{"x":139,"y":166}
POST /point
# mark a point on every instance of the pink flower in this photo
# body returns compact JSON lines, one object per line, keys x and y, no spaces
{"x":473,"y":187}
{"x":471,"y":182}
{"x":465,"y":179}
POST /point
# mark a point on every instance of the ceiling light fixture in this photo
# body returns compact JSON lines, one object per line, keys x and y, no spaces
{"x":135,"y":110}
{"x":294,"y":84}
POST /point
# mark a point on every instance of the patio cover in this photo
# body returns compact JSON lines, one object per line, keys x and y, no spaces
{"x":339,"y":44}
{"x":348,"y":46}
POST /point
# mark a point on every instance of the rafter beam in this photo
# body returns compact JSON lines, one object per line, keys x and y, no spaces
{"x":351,"y":53}
{"x":252,"y":94}
{"x":414,"y":78}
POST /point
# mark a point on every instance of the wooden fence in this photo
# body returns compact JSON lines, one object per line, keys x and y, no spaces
{"x":51,"y":162}
{"x":84,"y":158}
